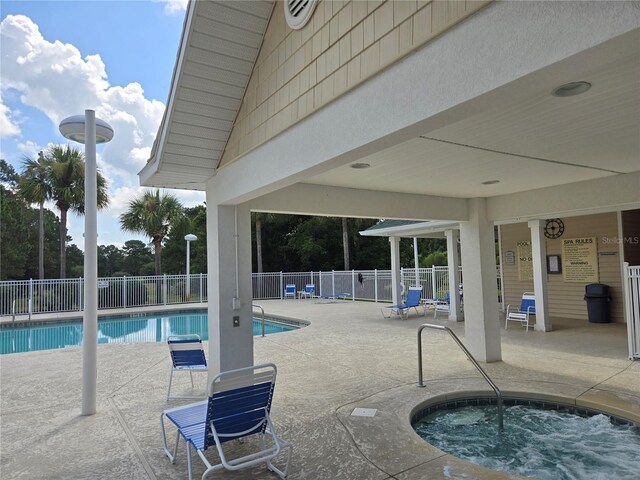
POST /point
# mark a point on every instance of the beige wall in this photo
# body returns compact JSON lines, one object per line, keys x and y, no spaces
{"x":566,"y":299}
{"x":344,"y":43}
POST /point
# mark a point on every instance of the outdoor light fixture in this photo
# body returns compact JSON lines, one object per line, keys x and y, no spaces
{"x":571,"y":89}
{"x":89,"y":130}
{"x":490,"y":182}
{"x":73,"y":129}
{"x":360,"y":166}
{"x":189,"y":238}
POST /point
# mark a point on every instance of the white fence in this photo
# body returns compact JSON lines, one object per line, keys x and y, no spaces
{"x":50,"y":296}
{"x":632,"y":298}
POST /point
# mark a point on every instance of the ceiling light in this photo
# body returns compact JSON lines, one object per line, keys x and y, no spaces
{"x":571,"y":89}
{"x":490,"y":182}
{"x":360,"y":166}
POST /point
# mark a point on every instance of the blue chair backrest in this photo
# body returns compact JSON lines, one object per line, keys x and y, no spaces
{"x":528,"y":301}
{"x":413,"y":297}
{"x":310,"y":288}
{"x":186,"y":350}
{"x":290,"y":288}
{"x":234,"y":411}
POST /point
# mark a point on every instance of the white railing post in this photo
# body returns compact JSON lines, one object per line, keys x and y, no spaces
{"x":319,"y":282}
{"x":353,"y":285}
{"x":200,"y":287}
{"x":80,"y":293}
{"x":30,"y":306}
{"x":375,"y":284}
{"x":333,"y":283}
{"x":164,"y":288}
{"x":281,"y":286}
{"x":434,"y":289}
{"x":124,"y":292}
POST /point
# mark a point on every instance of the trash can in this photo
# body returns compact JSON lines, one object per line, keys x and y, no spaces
{"x":598,"y":299}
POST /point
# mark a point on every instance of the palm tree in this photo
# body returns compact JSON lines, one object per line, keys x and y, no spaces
{"x":66,"y":178}
{"x":153,"y":215}
{"x":34,"y":188}
{"x":345,"y":242}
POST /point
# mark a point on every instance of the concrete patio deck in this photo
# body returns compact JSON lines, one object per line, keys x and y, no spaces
{"x":349,"y":356}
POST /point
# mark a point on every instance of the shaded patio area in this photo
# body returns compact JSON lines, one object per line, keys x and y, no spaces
{"x":348,"y":357}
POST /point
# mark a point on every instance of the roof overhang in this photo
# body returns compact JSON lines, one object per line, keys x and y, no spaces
{"x":413,"y":229}
{"x":218,"y":50}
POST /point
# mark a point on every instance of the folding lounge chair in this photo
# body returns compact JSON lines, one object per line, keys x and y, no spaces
{"x":523,"y":315}
{"x":441,"y":305}
{"x":290,"y":291}
{"x":412,"y":301}
{"x":238,"y":406}
{"x":186,"y":355}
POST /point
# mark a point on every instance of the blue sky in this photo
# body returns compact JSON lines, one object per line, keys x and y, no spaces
{"x":116,"y":57}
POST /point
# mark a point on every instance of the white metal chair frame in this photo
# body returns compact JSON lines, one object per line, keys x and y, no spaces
{"x":524,"y":312}
{"x":180,"y":345}
{"x":290,"y":291}
{"x":244,"y":385}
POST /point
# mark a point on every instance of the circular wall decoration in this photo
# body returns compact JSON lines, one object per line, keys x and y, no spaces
{"x":554,"y":228}
{"x":298,"y":12}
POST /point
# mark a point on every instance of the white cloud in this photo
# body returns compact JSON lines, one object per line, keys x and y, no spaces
{"x":8,"y":127}
{"x":174,"y":7}
{"x":54,"y":78}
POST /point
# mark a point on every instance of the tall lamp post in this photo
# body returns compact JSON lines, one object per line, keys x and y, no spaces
{"x":89,"y":130}
{"x":189,"y":238}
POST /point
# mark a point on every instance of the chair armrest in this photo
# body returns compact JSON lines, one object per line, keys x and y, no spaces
{"x":531,"y":310}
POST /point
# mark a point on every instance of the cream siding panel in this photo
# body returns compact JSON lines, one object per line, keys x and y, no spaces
{"x":299,"y":71}
{"x":566,"y":300}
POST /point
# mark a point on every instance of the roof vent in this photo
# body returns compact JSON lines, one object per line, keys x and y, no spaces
{"x":298,"y":12}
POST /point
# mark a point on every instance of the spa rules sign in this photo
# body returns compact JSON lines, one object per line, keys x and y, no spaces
{"x":580,"y":260}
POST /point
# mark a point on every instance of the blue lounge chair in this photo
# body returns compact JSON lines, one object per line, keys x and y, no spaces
{"x":412,"y":301}
{"x":309,"y":291}
{"x":290,"y":291}
{"x":186,"y":355}
{"x":522,"y":315}
{"x":238,"y":406}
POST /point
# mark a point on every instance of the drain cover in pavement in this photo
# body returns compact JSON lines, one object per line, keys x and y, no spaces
{"x":364,"y":412}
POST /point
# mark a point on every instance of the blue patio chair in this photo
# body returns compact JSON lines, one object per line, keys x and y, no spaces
{"x":290,"y":291}
{"x":186,"y":355}
{"x":309,"y":291}
{"x":238,"y":406}
{"x":523,"y":314}
{"x":412,"y":301}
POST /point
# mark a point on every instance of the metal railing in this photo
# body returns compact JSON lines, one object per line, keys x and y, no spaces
{"x":261,"y":316}
{"x":469,"y":356}
{"x":632,"y":299}
{"x":65,"y":295}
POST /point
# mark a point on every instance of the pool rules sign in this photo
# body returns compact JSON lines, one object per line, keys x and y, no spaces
{"x":580,"y":260}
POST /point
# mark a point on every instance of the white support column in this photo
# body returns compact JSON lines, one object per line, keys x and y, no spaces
{"x":416,"y":260}
{"x":454,"y":275}
{"x":394,"y":242}
{"x":482,"y":325}
{"x":229,"y":286}
{"x":539,"y":254}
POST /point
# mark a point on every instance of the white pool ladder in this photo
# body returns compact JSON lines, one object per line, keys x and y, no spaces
{"x":469,"y":356}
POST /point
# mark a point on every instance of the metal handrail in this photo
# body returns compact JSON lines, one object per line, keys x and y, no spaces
{"x":469,"y":356}
{"x":262,"y":315}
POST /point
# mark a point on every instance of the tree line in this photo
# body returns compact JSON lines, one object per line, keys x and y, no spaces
{"x":34,"y":242}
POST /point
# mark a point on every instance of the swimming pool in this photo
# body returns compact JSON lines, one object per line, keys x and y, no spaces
{"x":148,"y":328}
{"x":557,"y":442}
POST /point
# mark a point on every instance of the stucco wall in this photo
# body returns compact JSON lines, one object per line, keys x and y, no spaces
{"x":566,"y":299}
{"x":344,"y":43}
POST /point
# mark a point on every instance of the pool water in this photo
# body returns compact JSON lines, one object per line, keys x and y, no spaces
{"x":547,"y":444}
{"x":151,"y":328}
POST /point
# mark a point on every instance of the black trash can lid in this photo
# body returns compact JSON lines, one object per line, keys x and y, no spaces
{"x":596,"y":289}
